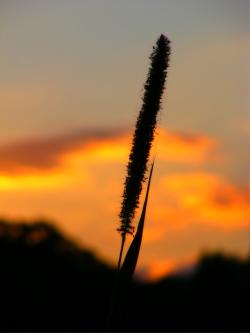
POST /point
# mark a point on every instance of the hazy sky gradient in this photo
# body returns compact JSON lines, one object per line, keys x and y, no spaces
{"x":74,"y":67}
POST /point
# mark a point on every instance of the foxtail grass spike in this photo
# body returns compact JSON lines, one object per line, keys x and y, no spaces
{"x":143,"y":136}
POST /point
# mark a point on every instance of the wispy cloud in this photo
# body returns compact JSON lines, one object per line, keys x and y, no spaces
{"x":185,"y":147}
{"x":47,"y":153}
{"x":35,"y":155}
{"x":199,"y":197}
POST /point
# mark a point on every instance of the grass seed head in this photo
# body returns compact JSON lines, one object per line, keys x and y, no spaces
{"x":144,"y":133}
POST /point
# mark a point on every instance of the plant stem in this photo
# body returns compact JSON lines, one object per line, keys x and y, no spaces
{"x":121,"y":251}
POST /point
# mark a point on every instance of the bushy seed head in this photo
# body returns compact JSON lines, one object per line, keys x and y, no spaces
{"x":144,"y":133}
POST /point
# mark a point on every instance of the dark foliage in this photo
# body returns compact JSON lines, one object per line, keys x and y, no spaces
{"x":48,"y":284}
{"x":144,"y":133}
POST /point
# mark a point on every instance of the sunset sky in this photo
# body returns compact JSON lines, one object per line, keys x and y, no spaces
{"x":71,"y":83}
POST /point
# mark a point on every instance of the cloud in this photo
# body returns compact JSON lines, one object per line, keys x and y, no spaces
{"x":47,"y":153}
{"x":84,"y":157}
{"x":185,"y":147}
{"x":44,"y":154}
{"x":200,"y":197}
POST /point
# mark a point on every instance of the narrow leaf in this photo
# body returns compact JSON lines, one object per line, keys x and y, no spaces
{"x":131,"y":258}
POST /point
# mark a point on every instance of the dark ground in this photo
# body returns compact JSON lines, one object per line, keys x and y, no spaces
{"x":49,"y":284}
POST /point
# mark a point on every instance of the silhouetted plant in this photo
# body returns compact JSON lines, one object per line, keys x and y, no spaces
{"x":143,"y":136}
{"x":137,"y":167}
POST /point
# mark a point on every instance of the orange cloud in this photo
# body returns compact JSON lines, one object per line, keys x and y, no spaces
{"x":34,"y":155}
{"x":111,"y":145}
{"x":185,"y":148}
{"x":40,"y":181}
{"x":61,"y":162}
{"x":204,"y":198}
